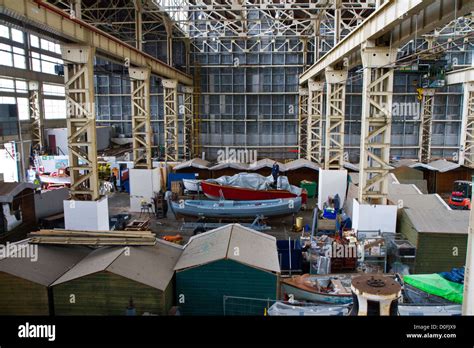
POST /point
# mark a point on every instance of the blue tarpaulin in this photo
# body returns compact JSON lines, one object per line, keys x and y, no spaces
{"x":179,"y":177}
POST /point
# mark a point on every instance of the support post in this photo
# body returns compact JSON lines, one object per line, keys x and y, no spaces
{"x":141,"y":124}
{"x":377,"y":93}
{"x":169,"y":41}
{"x":170,"y":98}
{"x":138,"y":25}
{"x":466,"y":156}
{"x":315,"y":121}
{"x":335,"y":109}
{"x":468,"y":296}
{"x":303,"y":122}
{"x":81,"y":124}
{"x":36,"y":113}
{"x":426,"y":125}
{"x":188,"y":122}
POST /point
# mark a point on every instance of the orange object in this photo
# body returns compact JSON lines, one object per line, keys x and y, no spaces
{"x":173,"y":239}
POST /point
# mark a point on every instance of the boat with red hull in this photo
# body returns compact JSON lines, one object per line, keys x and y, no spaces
{"x":216,"y":191}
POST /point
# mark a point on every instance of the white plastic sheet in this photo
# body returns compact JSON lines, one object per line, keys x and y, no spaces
{"x":257,"y":182}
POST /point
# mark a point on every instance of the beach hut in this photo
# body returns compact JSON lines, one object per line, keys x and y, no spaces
{"x":264,"y":166}
{"x":196,"y":166}
{"x":27,"y":270}
{"x":221,"y":269}
{"x":133,"y":280}
{"x":228,"y":168}
{"x":301,"y":169}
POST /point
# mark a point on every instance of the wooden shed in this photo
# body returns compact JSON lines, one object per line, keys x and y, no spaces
{"x":301,"y":169}
{"x":197,"y":166}
{"x":119,"y":280}
{"x":221,"y":267}
{"x":228,"y":168}
{"x":439,"y":234}
{"x":26,"y":275}
{"x":440,"y":175}
{"x":264,"y":166}
{"x":17,"y":212}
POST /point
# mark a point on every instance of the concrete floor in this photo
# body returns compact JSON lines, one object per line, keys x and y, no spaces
{"x":280,"y":227}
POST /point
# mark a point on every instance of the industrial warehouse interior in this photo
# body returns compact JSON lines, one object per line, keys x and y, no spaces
{"x":236,"y":158}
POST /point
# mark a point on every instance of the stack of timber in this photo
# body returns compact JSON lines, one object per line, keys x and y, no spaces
{"x":92,"y":237}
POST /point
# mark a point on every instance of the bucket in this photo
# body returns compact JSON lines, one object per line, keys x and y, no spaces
{"x":299,"y":223}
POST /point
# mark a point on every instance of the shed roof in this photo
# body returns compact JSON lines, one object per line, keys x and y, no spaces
{"x":351,"y":166}
{"x":301,"y":163}
{"x":194,"y":163}
{"x":441,"y":166}
{"x":233,"y":242}
{"x":429,"y":214}
{"x":8,"y":190}
{"x":266,"y":163}
{"x":52,"y":262}
{"x":224,"y":165}
{"x":149,"y":265}
{"x":403,"y":162}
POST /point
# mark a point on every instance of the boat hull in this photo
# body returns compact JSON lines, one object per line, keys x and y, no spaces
{"x":303,"y":295}
{"x":191,"y":185}
{"x":301,"y":290}
{"x":237,"y":209}
{"x":216,"y":191}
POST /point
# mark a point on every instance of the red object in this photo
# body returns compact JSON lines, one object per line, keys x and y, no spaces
{"x":216,"y":191}
{"x":457,"y":200}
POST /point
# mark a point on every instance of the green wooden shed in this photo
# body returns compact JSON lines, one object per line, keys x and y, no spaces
{"x":26,"y":271}
{"x":439,"y":233}
{"x":231,"y":270}
{"x":133,"y":280}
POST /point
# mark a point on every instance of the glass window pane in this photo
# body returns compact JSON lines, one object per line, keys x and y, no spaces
{"x":17,"y":35}
{"x":7,"y":85}
{"x":23,"y":108}
{"x":54,"y":109}
{"x":21,"y":86}
{"x":34,"y":41}
{"x":4,"y":32}
{"x":6,"y":58}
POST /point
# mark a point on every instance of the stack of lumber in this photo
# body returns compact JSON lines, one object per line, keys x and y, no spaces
{"x":92,"y":237}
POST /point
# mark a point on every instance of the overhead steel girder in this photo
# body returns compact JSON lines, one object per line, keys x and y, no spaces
{"x":188,"y":122}
{"x":397,"y":20}
{"x":303,"y":122}
{"x":141,"y":124}
{"x":377,"y":93}
{"x":426,"y":124}
{"x":36,"y":114}
{"x":81,"y":124}
{"x":335,"y":109}
{"x":467,"y":128}
{"x":170,"y":103}
{"x":315,"y":121}
{"x":40,"y":14}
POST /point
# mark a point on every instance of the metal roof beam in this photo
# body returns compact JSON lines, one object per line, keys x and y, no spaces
{"x":398,"y":21}
{"x":50,"y":18}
